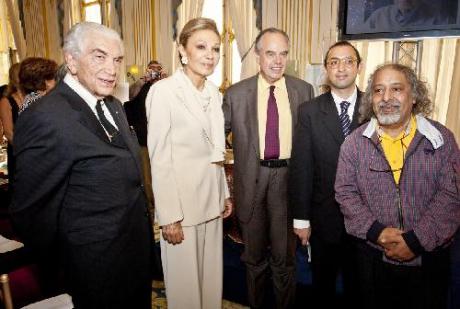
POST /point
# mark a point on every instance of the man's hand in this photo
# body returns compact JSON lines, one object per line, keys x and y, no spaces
{"x":173,"y":233}
{"x":389,"y":236}
{"x":228,"y":208}
{"x":399,"y":251}
{"x":303,"y":234}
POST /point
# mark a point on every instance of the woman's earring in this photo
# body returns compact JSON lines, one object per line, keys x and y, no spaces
{"x":184,"y":60}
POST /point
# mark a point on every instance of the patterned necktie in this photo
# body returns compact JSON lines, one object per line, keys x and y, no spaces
{"x":272,"y":141}
{"x":111,"y":130}
{"x":344,"y":118}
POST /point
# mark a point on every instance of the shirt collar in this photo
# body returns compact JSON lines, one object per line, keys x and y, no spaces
{"x":351,"y":99}
{"x":76,"y":86}
{"x":425,"y":128}
{"x":280,"y":83}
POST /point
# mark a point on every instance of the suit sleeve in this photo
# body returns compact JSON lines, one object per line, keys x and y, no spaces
{"x":227,"y":109}
{"x":301,"y":167}
{"x":159,"y":141}
{"x":43,"y":167}
{"x":441,"y":218}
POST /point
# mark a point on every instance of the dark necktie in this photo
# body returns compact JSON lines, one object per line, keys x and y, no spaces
{"x":344,"y":118}
{"x":272,"y":141}
{"x":111,"y":130}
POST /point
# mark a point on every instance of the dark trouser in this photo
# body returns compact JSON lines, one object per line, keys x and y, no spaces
{"x":328,"y":260}
{"x":269,"y":242}
{"x":455,"y":279}
{"x":384,"y":285}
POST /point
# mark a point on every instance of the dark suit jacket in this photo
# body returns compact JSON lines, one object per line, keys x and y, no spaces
{"x":135,"y":113}
{"x":80,"y":197}
{"x":315,"y":152}
{"x":240,"y":111}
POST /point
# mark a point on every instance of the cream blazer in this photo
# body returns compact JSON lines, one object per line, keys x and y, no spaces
{"x":187,"y":186}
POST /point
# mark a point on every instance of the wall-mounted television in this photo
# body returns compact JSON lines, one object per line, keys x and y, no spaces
{"x":398,"y":19}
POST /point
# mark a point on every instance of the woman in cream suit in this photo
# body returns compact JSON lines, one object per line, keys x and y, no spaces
{"x":186,"y":145}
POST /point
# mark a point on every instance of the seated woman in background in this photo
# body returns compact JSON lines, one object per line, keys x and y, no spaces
{"x":37,"y":77}
{"x":9,"y":109}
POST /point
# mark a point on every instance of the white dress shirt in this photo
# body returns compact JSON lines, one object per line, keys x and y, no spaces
{"x":90,"y":99}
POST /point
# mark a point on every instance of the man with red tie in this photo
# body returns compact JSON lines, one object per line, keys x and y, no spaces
{"x":260,"y":112}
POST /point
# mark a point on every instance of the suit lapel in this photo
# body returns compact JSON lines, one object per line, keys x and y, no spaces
{"x":331,"y":118}
{"x":123,"y":128}
{"x":355,"y":120}
{"x":86,"y":115}
{"x":252,"y":111}
{"x":190,"y":102}
{"x":294,"y":103}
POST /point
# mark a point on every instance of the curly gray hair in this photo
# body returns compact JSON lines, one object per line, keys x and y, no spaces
{"x":423,"y":104}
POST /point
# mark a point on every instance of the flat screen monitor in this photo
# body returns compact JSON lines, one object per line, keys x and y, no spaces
{"x":398,"y":19}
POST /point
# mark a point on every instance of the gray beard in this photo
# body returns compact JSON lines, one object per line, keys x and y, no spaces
{"x":388,"y":119}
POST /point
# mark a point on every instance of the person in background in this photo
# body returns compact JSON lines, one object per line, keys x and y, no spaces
{"x":135,"y":108}
{"x":261,"y":113}
{"x":79,"y":199}
{"x":137,"y":119}
{"x":10,"y":104}
{"x":153,"y":73}
{"x":323,"y":125}
{"x":37,"y":78}
{"x":186,"y":143}
{"x":396,"y":186}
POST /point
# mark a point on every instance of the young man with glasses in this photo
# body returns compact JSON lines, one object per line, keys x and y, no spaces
{"x":323,"y":125}
{"x":396,"y":186}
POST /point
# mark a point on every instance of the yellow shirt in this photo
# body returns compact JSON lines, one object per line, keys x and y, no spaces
{"x":395,"y":149}
{"x":284,"y":112}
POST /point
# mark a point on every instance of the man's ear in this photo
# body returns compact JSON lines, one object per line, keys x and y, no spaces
{"x":257,"y":57}
{"x":71,"y":63}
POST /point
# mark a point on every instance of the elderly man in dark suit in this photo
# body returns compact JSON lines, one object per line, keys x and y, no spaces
{"x":79,"y":192}
{"x":261,"y":111}
{"x":323,"y":124}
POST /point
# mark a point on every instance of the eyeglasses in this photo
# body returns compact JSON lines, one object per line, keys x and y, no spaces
{"x":335,"y":62}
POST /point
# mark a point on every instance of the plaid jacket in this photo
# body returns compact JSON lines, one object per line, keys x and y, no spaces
{"x":425,"y":205}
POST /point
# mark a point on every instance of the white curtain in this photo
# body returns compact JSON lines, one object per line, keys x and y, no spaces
{"x":35,"y":28}
{"x":164,"y":29}
{"x":72,"y":14}
{"x":438,"y":58}
{"x":114,"y":19}
{"x":138,"y":32}
{"x":294,"y":18}
{"x":453,"y":111}
{"x":269,"y":13}
{"x":244,"y":24}
{"x":373,"y":53}
{"x":16,"y":28}
{"x":52,"y":36}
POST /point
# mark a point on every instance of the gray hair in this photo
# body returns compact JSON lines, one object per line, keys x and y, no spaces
{"x":423,"y":105}
{"x":268,"y":30}
{"x":75,"y":38}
